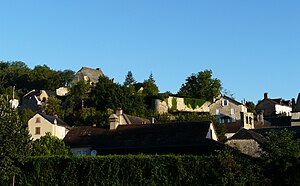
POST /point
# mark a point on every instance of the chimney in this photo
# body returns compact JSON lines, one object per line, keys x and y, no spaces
{"x":266,"y":96}
{"x":152,"y":120}
{"x":113,"y":121}
{"x":119,"y":112}
{"x":293,"y":105}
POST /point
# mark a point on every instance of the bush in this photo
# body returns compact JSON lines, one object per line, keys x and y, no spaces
{"x":222,"y":169}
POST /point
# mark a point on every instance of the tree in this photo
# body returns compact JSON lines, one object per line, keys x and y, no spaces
{"x":49,"y":145}
{"x":150,"y":88}
{"x":251,"y":107}
{"x":129,"y":80}
{"x":201,"y":86}
{"x":280,"y":157}
{"x":53,"y":106}
{"x":14,"y":141}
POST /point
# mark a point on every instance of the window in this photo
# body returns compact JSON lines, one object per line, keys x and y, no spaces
{"x":232,"y":111}
{"x":218,"y":112}
{"x":37,"y":130}
{"x":224,"y":102}
{"x":38,"y":120}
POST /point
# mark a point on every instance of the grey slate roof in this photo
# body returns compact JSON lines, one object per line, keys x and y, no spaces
{"x":51,"y":119}
{"x":243,"y":134}
{"x":92,"y":74}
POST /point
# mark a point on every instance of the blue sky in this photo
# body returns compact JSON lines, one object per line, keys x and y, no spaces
{"x":251,"y":46}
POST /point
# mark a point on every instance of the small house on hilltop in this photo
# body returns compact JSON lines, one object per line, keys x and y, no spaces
{"x":35,"y":100}
{"x":87,"y":74}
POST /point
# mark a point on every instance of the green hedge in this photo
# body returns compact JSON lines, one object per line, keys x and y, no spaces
{"x":222,"y":169}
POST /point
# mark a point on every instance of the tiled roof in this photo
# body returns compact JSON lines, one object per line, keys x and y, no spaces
{"x":248,"y":134}
{"x":278,"y":120}
{"x":232,"y":127}
{"x":51,"y":119}
{"x":135,"y":120}
{"x":155,"y":136}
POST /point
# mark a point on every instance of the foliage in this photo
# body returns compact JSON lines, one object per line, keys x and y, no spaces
{"x":129,"y":79}
{"x":281,"y":157}
{"x":193,"y":102}
{"x":201,"y":86}
{"x":49,"y":145}
{"x":251,"y":107}
{"x":54,"y":107}
{"x":222,"y":169}
{"x":14,"y":139}
{"x":150,"y":88}
{"x":174,"y":105}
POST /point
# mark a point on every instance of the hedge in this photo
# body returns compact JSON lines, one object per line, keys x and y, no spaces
{"x":222,"y":169}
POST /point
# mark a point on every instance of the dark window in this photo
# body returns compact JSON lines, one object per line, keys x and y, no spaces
{"x":37,"y":130}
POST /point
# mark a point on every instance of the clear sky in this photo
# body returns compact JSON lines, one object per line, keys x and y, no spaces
{"x":252,"y":46}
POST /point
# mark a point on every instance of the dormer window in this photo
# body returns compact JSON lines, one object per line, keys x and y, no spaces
{"x":38,"y":120}
{"x":224,"y":102}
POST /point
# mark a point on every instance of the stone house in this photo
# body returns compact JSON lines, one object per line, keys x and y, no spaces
{"x":41,"y":123}
{"x":35,"y":100}
{"x":247,"y":141}
{"x":272,"y":107}
{"x":228,"y":110}
{"x":87,"y":74}
{"x":175,"y":138}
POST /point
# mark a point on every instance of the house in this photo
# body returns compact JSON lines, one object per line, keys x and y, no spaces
{"x":175,"y":138}
{"x":35,"y":100}
{"x":119,"y":118}
{"x":41,"y":123}
{"x":272,"y":107}
{"x":227,"y":110}
{"x":247,"y":141}
{"x":87,"y":74}
{"x":174,"y":103}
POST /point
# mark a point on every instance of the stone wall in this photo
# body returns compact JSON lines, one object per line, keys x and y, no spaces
{"x":168,"y":105}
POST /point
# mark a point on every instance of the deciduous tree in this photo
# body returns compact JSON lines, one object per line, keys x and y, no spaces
{"x":201,"y":85}
{"x":14,"y":141}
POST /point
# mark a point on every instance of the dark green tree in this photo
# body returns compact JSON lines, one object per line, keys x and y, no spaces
{"x":150,"y":88}
{"x":54,"y":107}
{"x":129,"y":80}
{"x":14,"y":141}
{"x":251,"y":107}
{"x":49,"y":145}
{"x":280,"y":157}
{"x":107,"y":94}
{"x":202,"y":86}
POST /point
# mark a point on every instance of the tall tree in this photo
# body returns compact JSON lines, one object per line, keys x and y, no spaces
{"x":129,"y":80}
{"x":202,"y":86}
{"x":150,"y":88}
{"x":14,"y":141}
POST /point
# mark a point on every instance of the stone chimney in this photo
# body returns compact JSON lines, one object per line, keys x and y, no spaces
{"x":266,"y":95}
{"x":114,"y":121}
{"x":119,"y":112}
